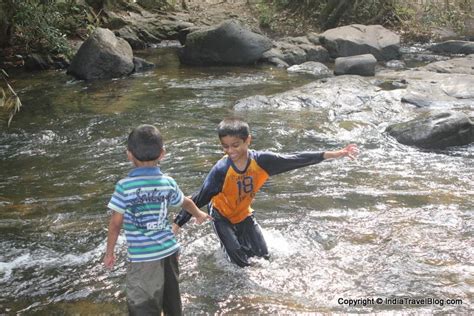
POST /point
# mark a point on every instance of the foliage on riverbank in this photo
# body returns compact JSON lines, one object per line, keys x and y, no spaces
{"x":41,"y":26}
{"x":44,"y":26}
{"x":414,"y":22}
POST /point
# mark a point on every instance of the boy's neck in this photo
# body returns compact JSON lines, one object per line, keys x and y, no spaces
{"x":242,"y":163}
{"x":139,"y":164}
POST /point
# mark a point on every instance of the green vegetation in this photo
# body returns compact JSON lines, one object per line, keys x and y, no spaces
{"x":41,"y":25}
{"x":326,"y":14}
{"x":414,"y":21}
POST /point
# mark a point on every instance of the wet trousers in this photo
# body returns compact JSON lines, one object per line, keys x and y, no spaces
{"x":240,"y":241}
{"x":152,"y":287}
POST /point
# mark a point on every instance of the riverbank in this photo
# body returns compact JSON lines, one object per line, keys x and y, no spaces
{"x":143,"y":28}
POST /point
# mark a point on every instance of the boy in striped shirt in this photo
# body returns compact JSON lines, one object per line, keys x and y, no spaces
{"x":140,"y":203}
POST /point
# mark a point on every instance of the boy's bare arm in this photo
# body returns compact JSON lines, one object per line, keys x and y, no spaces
{"x":115,"y":225}
{"x":350,"y":151}
{"x":192,"y":209}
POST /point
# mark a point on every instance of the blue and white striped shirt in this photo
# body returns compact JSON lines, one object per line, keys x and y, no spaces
{"x":143,"y":197}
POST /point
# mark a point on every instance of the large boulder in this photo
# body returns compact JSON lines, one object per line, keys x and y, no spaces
{"x":359,"y":39}
{"x":228,"y":43}
{"x":435,"y":131}
{"x":102,"y":55}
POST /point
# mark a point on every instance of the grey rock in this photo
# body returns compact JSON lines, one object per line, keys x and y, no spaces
{"x":130,"y":35}
{"x":295,"y":51}
{"x":439,"y":130}
{"x":311,"y":67}
{"x":360,"y":39}
{"x":228,"y":43}
{"x":463,"y":65}
{"x":102,"y":55}
{"x":363,"y":65}
{"x":396,"y":64}
{"x":454,"y":47}
{"x":142,"y":65}
{"x":433,"y":89}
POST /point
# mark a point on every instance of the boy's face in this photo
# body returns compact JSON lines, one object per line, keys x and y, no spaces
{"x":236,"y":148}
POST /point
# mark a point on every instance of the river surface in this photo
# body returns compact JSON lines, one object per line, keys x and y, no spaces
{"x":397,"y":223}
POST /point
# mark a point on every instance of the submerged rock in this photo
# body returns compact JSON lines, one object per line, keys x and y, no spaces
{"x":141,"y":65}
{"x":311,"y":67}
{"x":435,"y":131}
{"x":396,"y":64}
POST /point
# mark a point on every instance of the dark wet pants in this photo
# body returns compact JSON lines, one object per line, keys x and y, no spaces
{"x":152,"y":287}
{"x":240,"y":241}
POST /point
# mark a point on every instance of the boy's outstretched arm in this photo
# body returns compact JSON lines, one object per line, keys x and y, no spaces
{"x":115,"y":225}
{"x":350,"y":151}
{"x":274,"y":163}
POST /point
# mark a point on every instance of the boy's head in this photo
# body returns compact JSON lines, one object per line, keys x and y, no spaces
{"x":235,"y":138}
{"x":145,"y":143}
{"x":233,"y":127}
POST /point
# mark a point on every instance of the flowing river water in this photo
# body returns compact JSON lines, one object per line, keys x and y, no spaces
{"x":397,"y":223}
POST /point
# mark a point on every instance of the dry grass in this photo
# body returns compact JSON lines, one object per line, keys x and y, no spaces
{"x":10,"y":103}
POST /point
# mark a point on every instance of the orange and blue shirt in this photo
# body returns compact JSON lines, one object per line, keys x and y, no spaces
{"x":231,"y":191}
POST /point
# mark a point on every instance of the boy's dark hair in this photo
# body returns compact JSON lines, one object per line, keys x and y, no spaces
{"x":145,"y":143}
{"x":233,"y":127}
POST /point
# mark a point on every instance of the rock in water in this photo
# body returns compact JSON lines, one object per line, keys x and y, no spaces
{"x":102,"y":56}
{"x":435,"y":131}
{"x":228,"y":43}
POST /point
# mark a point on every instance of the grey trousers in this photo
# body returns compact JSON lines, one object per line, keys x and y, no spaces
{"x":152,"y":287}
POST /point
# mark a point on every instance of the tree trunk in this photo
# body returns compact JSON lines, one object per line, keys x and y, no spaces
{"x":5,"y":32}
{"x":334,"y":11}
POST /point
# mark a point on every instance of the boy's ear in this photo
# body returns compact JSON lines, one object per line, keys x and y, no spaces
{"x":130,"y":156}
{"x":248,"y":140}
{"x":162,"y":155}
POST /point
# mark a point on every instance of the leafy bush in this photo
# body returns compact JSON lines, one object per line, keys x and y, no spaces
{"x":42,"y":25}
{"x":414,"y":21}
{"x":331,"y":13}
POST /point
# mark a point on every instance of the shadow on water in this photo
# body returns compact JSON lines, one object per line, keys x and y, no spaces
{"x":397,"y":222}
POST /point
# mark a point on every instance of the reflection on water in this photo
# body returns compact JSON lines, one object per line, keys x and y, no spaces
{"x":397,"y":222}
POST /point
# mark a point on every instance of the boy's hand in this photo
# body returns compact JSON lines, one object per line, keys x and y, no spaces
{"x":109,"y":260}
{"x":350,"y":151}
{"x":202,"y":217}
{"x":175,"y":228}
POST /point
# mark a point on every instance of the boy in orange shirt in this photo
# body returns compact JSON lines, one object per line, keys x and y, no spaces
{"x":232,"y":183}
